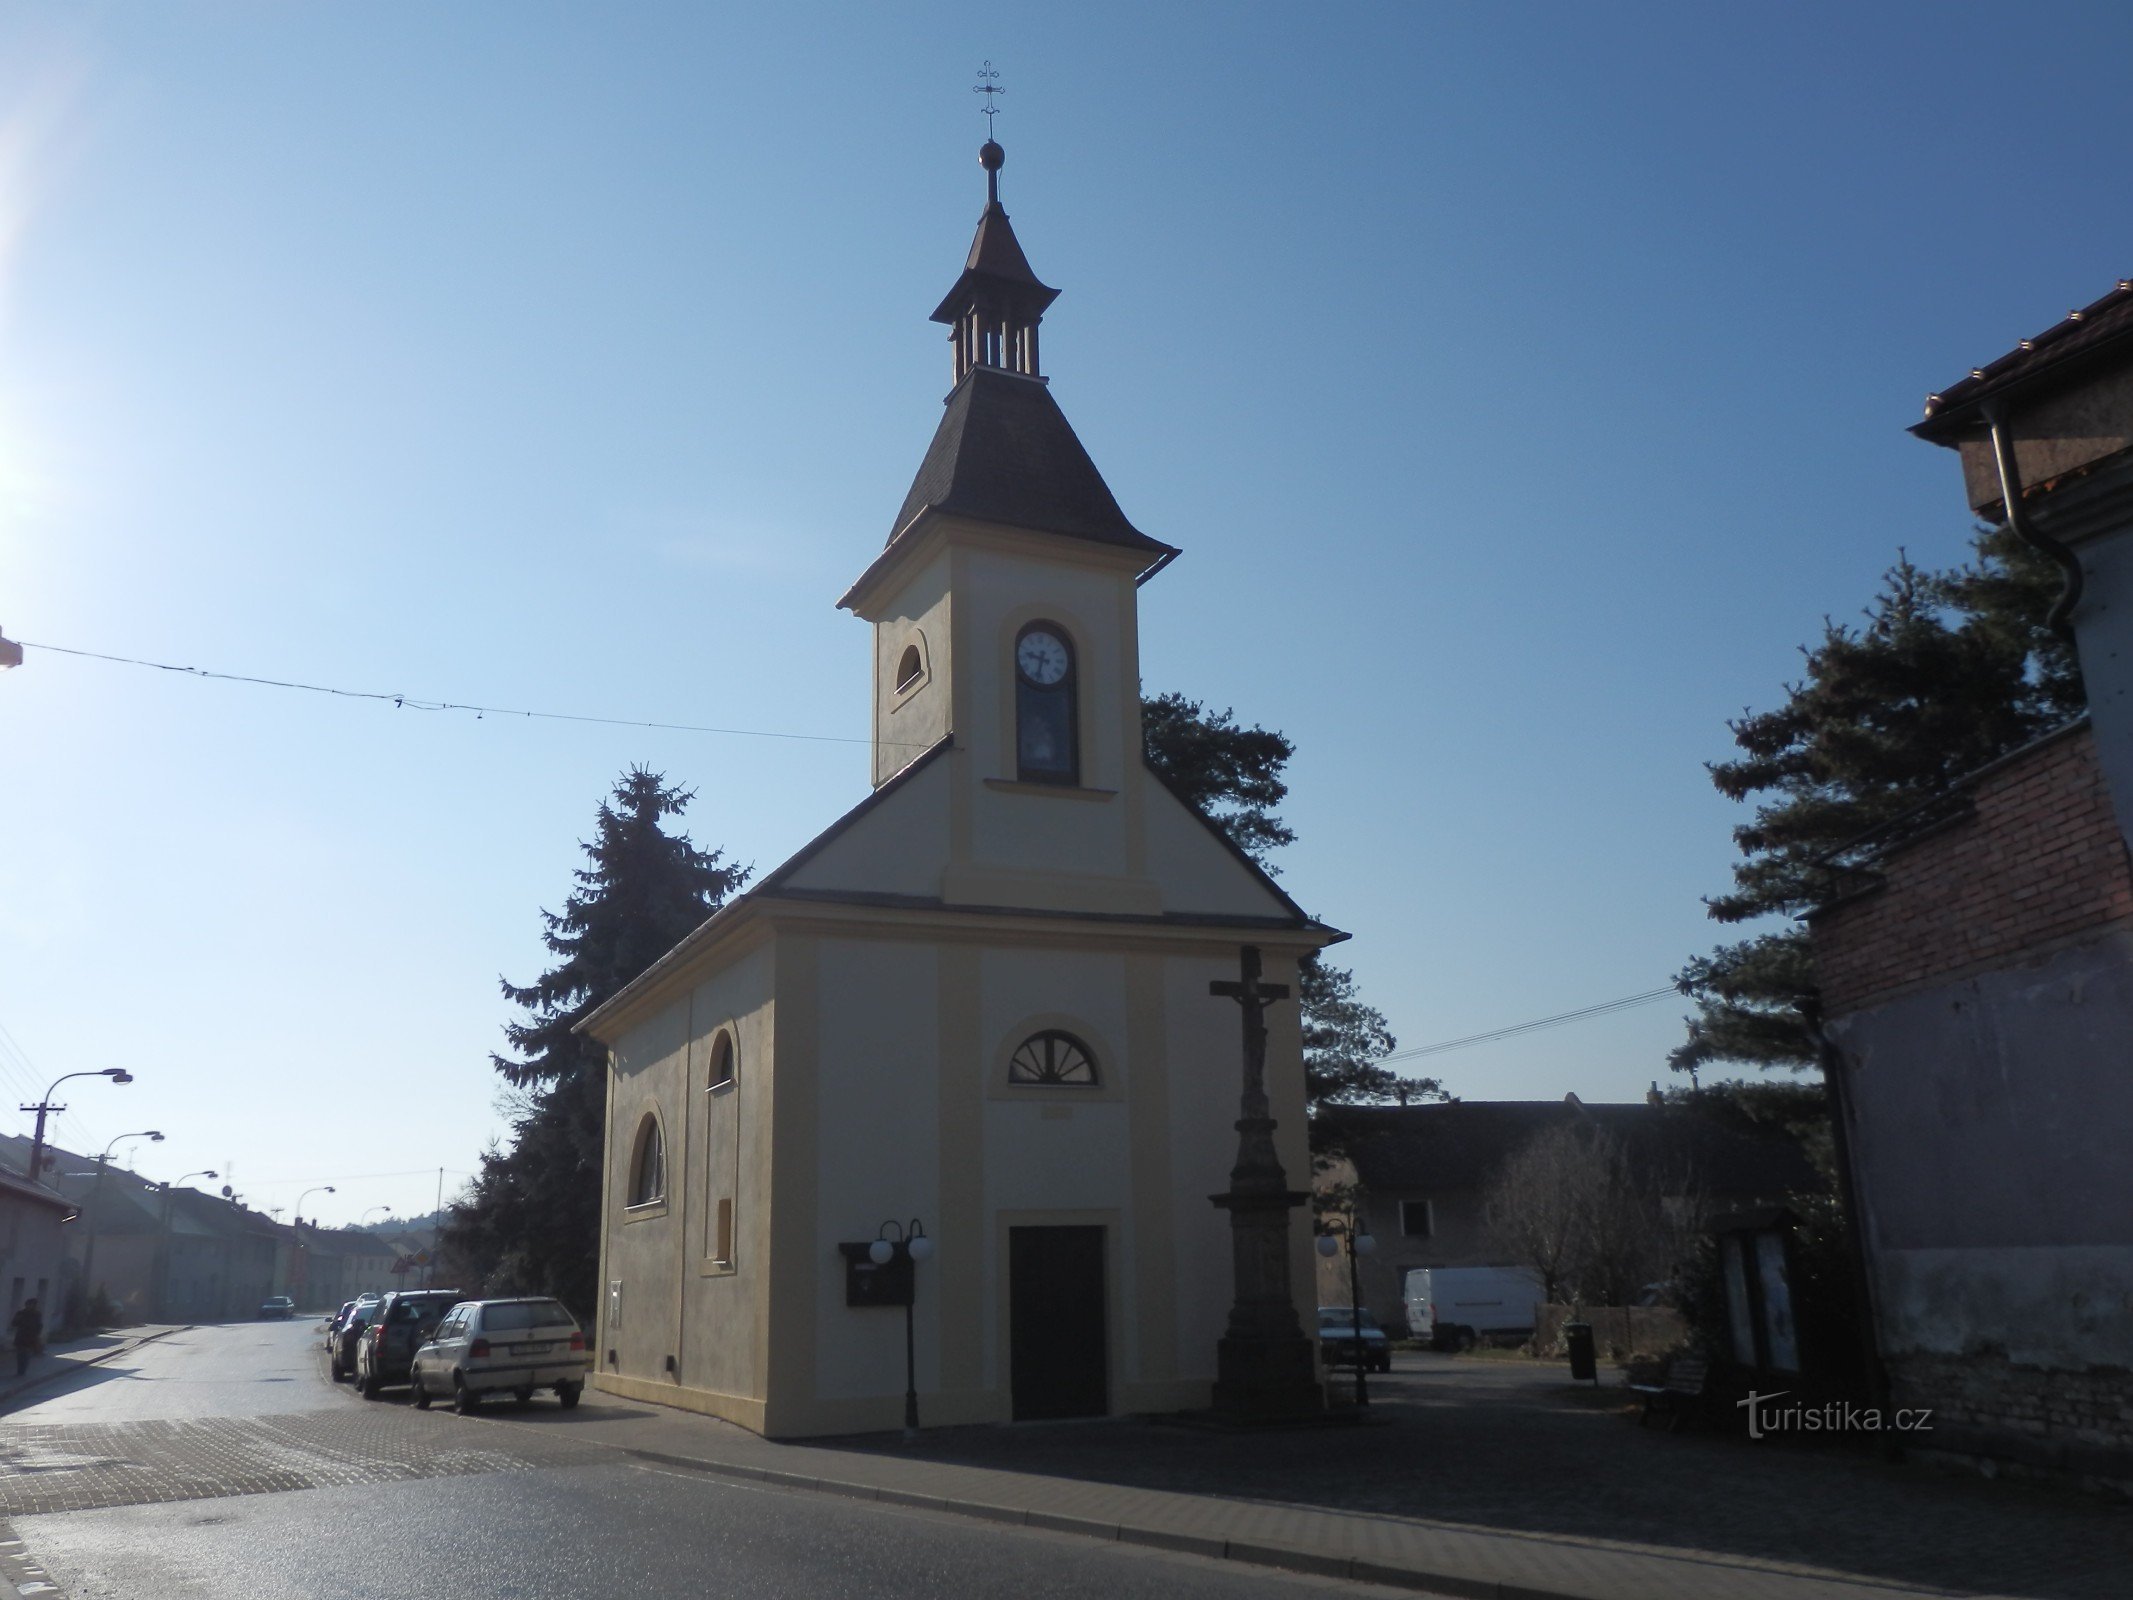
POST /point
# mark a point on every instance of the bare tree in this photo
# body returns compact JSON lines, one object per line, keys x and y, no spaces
{"x":1534,"y":1208}
{"x":1572,"y":1205}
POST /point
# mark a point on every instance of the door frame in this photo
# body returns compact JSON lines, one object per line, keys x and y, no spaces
{"x":1112,"y":1221}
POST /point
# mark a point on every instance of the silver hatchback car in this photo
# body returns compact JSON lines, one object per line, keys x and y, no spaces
{"x":502,"y":1346}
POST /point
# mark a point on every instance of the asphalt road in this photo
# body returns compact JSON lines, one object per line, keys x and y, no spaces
{"x":221,"y":1462}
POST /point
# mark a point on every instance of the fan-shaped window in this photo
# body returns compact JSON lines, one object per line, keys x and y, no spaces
{"x":1053,"y":1059}
{"x":721,"y":1061}
{"x":648,"y":1164}
{"x":910,"y":667}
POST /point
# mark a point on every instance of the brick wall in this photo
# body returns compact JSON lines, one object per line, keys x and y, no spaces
{"x":2049,"y":1421}
{"x":2040,"y":862}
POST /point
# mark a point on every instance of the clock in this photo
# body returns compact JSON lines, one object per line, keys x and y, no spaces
{"x":1042,"y":657}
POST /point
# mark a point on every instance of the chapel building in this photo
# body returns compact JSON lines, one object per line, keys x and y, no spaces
{"x":978,"y":1001}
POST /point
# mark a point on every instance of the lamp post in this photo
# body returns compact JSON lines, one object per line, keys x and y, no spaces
{"x":365,"y":1221}
{"x":96,"y":1195}
{"x":170,"y":1239}
{"x":303,"y":1255}
{"x":45,"y":1105}
{"x":911,"y":1243}
{"x":1358,"y":1244}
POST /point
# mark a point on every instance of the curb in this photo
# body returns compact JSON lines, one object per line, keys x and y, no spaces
{"x":1283,"y":1558}
{"x":28,"y":1385}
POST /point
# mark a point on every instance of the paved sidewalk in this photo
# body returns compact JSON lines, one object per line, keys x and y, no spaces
{"x":1573,"y":1502}
{"x":57,"y":1361}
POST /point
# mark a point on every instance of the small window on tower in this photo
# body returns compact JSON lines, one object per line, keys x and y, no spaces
{"x":910,"y":669}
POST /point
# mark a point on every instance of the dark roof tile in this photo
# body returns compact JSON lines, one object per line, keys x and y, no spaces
{"x":2054,"y":354}
{"x":1462,"y":1144}
{"x":1005,"y":453}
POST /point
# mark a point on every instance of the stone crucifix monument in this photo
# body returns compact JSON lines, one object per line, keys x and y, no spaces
{"x":1264,"y":1368}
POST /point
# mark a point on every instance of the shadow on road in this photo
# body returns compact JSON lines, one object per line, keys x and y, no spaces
{"x":1526,"y":1452}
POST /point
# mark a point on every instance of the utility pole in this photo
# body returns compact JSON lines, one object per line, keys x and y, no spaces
{"x":45,"y":1107}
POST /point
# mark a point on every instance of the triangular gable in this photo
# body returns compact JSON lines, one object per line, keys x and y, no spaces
{"x":893,"y":842}
{"x":1199,"y":869}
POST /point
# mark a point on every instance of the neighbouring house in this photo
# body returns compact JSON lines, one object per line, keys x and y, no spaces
{"x":1425,"y":1172}
{"x":161,"y":1253}
{"x":33,"y":1225}
{"x":346,"y":1262}
{"x":223,"y":1258}
{"x":978,"y":1004}
{"x":1978,"y":980}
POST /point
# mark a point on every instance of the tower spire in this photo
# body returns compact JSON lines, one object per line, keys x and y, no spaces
{"x":993,"y":311}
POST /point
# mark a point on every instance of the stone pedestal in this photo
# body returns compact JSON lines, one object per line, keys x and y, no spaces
{"x":1265,"y":1369}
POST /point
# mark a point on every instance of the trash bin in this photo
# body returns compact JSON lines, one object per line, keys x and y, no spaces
{"x":1577,"y":1339}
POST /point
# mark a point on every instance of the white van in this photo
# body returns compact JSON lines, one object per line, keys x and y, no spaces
{"x":1452,"y":1307}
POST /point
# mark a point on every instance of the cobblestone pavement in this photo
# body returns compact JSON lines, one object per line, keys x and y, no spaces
{"x":77,"y":1467}
{"x":1513,"y":1448}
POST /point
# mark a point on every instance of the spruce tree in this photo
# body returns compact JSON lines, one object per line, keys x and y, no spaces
{"x":1232,"y":774}
{"x":531,"y":1223}
{"x":1946,"y":672}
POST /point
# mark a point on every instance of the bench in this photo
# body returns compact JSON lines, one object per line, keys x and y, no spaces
{"x":1681,"y":1390}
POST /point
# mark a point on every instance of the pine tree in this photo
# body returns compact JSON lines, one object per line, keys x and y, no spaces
{"x":531,"y":1223}
{"x":1233,"y":775}
{"x":1947,"y":672}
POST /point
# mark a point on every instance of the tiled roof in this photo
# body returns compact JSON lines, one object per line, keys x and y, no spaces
{"x":1462,"y":1144}
{"x":996,"y":257}
{"x":2055,"y":354}
{"x":1005,"y":453}
{"x":20,"y":1188}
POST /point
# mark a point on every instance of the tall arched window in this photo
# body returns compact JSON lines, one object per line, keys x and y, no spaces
{"x":1047,"y":742}
{"x":720,"y":1072}
{"x":648,"y":1164}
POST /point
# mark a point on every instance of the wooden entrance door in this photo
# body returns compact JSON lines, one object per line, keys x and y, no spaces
{"x":1056,"y":1322}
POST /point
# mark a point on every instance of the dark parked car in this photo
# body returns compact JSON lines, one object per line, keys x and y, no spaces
{"x":333,"y":1323}
{"x":1345,"y":1342}
{"x":277,"y":1306}
{"x":341,"y":1341}
{"x":403,"y":1324}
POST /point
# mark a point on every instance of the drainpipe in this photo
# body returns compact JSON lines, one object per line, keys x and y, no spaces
{"x":2018,"y":523}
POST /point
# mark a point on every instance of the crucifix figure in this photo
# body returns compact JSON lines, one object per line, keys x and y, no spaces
{"x":1264,"y":1368}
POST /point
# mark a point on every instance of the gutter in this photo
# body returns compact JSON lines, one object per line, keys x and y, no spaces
{"x":2003,"y":454}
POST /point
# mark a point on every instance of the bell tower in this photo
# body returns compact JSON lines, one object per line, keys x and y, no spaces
{"x":993,"y":311}
{"x":1003,"y":606}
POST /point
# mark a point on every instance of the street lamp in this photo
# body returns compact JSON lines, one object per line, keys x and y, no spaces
{"x":1358,"y":1244}
{"x":301,"y":1282}
{"x":364,"y":1220}
{"x":96,"y":1195}
{"x":170,"y":1241}
{"x":910,"y":1243}
{"x":44,"y":1105}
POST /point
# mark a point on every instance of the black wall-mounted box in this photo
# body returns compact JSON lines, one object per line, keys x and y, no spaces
{"x":866,"y":1284}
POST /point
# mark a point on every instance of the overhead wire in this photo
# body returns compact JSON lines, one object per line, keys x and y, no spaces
{"x":409,"y":702}
{"x":1627,"y":1002}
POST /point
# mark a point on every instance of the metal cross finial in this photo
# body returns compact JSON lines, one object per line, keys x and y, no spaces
{"x":988,"y":85}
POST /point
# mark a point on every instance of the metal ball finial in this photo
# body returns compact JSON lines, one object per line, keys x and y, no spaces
{"x":991,"y":157}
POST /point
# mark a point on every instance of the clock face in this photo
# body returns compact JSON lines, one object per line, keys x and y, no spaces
{"x":1042,"y":657}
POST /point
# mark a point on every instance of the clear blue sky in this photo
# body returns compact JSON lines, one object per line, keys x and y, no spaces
{"x":1523,"y":386}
